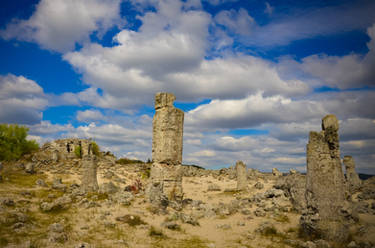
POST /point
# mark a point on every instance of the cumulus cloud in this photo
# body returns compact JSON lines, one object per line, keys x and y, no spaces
{"x":239,"y":22}
{"x":89,"y":115}
{"x":350,"y":71}
{"x":252,"y":111}
{"x":22,"y":100}
{"x":59,"y":24}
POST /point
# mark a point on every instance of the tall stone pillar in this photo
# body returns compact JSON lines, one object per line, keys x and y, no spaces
{"x":352,"y":178}
{"x":325,"y":188}
{"x":241,"y":174}
{"x":89,"y":177}
{"x":167,"y":140}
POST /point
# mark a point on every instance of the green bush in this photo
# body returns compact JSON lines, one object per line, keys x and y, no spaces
{"x":128,"y":161}
{"x":78,"y":151}
{"x":13,"y":143}
{"x":95,"y":148}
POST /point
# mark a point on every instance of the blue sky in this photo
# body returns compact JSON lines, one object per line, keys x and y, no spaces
{"x":253,"y":77}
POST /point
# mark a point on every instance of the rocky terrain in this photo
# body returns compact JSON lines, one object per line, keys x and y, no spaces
{"x":69,"y":194}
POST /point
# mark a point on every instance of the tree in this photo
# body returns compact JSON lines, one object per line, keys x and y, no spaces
{"x":13,"y":143}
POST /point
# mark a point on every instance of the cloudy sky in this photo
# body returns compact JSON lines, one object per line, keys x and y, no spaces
{"x":253,"y":77}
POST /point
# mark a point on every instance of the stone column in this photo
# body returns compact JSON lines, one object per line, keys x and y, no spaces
{"x":325,"y":188}
{"x":89,"y":178}
{"x":352,"y":178}
{"x":167,"y":140}
{"x":241,"y":174}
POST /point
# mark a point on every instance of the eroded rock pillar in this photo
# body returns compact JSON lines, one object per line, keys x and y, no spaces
{"x":167,"y":140}
{"x":352,"y":178}
{"x":241,"y":174}
{"x":89,"y":177}
{"x":325,"y":188}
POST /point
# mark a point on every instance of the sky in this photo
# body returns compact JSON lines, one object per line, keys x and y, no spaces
{"x":253,"y":77}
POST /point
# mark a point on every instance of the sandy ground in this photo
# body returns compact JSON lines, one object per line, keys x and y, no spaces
{"x":98,"y":225}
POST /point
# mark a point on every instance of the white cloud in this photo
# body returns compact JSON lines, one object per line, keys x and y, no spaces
{"x":252,"y":111}
{"x":22,"y":100}
{"x":59,"y":24}
{"x":349,"y":71}
{"x":239,"y":22}
{"x":89,"y":115}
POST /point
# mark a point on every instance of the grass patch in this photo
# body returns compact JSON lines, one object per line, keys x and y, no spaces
{"x":21,"y":179}
{"x":97,"y":196}
{"x":125,"y":161}
{"x":282,"y":218}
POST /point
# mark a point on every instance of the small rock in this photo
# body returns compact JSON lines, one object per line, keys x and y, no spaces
{"x":352,"y":245}
{"x":241,"y":223}
{"x":259,"y":212}
{"x":213,"y":187}
{"x":108,"y":188}
{"x":259,"y":185}
{"x":171,"y":225}
{"x":41,"y":183}
{"x":29,"y":168}
{"x":223,"y":226}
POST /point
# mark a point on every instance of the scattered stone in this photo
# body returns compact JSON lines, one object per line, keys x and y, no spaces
{"x":58,"y":204}
{"x":171,"y":225}
{"x":259,"y":185}
{"x":41,"y":183}
{"x":276,"y":172}
{"x":29,"y":168}
{"x":241,"y":175}
{"x":354,"y":183}
{"x":84,"y":245}
{"x":189,"y":219}
{"x":223,"y":226}
{"x":213,"y":187}
{"x":58,"y":185}
{"x":294,"y":186}
{"x":7,"y":202}
{"x":292,"y":171}
{"x":259,"y":212}
{"x":56,"y":233}
{"x":108,"y":188}
{"x":325,"y":189}
{"x":89,"y":178}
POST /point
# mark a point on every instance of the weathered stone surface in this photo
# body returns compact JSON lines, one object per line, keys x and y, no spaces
{"x":166,"y":171}
{"x":352,"y":178}
{"x":325,"y":188}
{"x":276,"y":172}
{"x":294,"y":185}
{"x":63,"y":149}
{"x":89,"y":177}
{"x":241,"y":175}
{"x":167,"y":130}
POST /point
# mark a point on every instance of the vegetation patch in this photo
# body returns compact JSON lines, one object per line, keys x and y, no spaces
{"x":282,"y":218}
{"x":13,"y":143}
{"x":125,"y":161}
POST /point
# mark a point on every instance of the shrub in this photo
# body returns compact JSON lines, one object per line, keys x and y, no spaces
{"x":128,"y":161}
{"x":78,"y":151}
{"x":13,"y":143}
{"x":95,"y":148}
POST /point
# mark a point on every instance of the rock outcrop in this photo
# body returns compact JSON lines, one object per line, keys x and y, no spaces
{"x":325,"y":188}
{"x":166,"y":171}
{"x":241,"y":174}
{"x":352,"y":178}
{"x":276,"y":172}
{"x":89,"y":177}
